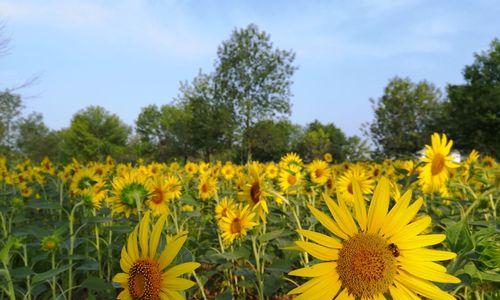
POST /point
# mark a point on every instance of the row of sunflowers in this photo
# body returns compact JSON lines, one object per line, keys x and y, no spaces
{"x":398,"y":229}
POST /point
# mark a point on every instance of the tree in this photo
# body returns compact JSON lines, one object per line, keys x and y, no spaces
{"x":10,"y":112}
{"x":272,"y":139}
{"x":94,"y":134}
{"x":35,"y":140}
{"x":319,"y":139}
{"x":405,"y":116}
{"x":253,"y":77}
{"x":211,"y":125}
{"x":471,"y":114}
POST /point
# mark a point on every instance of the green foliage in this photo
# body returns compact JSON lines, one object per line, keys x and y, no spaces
{"x":94,"y":134}
{"x":405,"y":116}
{"x":35,"y":140}
{"x":253,"y":77}
{"x":472,"y":113}
{"x":10,"y":111}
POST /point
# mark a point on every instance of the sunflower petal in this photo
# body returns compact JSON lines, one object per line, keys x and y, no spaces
{"x":155,"y":235}
{"x":328,"y":223}
{"x":177,"y":284}
{"x":320,"y":238}
{"x":143,"y":234}
{"x":422,"y":287}
{"x":411,"y":230}
{"x":173,"y":248}
{"x":180,"y":269}
{"x":320,"y":252}
{"x":316,"y":270}
{"x":379,"y":205}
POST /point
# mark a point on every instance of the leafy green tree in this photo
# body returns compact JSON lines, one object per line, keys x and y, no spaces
{"x":211,"y":125}
{"x":405,"y":116}
{"x":319,"y":139}
{"x":164,"y":133}
{"x":471,"y":115}
{"x":10,"y":111}
{"x":35,"y":140}
{"x":272,"y":139}
{"x":356,"y":149}
{"x":95,"y":133}
{"x":254,"y":78}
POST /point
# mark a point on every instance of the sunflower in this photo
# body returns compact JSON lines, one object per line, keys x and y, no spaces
{"x":130,"y":190}
{"x":290,"y":159}
{"x":290,"y":180}
{"x":207,"y":187}
{"x":146,"y":275}
{"x":345,"y":183}
{"x":47,"y":166}
{"x":228,"y":171}
{"x":254,"y":191}
{"x":158,"y":202}
{"x":82,"y":180}
{"x":93,"y":195}
{"x":225,"y":205}
{"x":271,"y":171}
{"x":191,"y":168}
{"x":328,"y":157}
{"x":319,"y":172}
{"x":236,"y":224}
{"x":438,"y":163}
{"x":374,"y":252}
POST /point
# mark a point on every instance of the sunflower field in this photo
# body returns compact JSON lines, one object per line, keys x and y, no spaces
{"x":396,"y":229}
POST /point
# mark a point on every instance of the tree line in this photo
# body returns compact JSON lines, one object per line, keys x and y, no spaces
{"x":240,"y":110}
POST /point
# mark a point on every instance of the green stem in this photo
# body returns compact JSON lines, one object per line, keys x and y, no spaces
{"x":72,"y":237}
{"x":97,"y":243}
{"x":53,"y":286}
{"x":10,"y":285}
{"x":28,"y":283}
{"x":200,"y":286}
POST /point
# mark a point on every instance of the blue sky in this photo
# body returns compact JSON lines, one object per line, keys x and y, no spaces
{"x":124,"y":55}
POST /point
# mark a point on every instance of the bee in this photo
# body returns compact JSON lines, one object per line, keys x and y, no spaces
{"x":394,"y":249}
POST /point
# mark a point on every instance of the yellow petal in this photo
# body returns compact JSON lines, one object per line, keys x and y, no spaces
{"x":125,"y":261}
{"x":409,"y":294}
{"x":379,"y":205}
{"x":155,"y":235}
{"x":411,"y":230}
{"x":320,"y":238}
{"x":422,"y":254}
{"x":124,"y":295}
{"x":173,"y":248}
{"x":359,"y":206}
{"x":422,"y":287}
{"x":344,"y":295}
{"x":132,"y":247}
{"x":121,"y":278}
{"x":316,"y":270}
{"x":327,"y":288}
{"x":342,"y":216}
{"x":306,"y":286}
{"x":320,"y":252}
{"x":429,"y":271}
{"x":143,"y":234}
{"x":402,"y":218}
{"x":328,"y":223}
{"x":177,"y":284}
{"x":180,"y":269}
{"x":421,"y":241}
{"x":173,"y":295}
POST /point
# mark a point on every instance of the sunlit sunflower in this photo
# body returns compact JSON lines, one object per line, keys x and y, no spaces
{"x":130,"y":190}
{"x":271,"y":171}
{"x":145,"y":273}
{"x":255,"y":191}
{"x":82,"y":180}
{"x":207,"y":186}
{"x":328,"y":157}
{"x":290,"y":180}
{"x":236,"y":224}
{"x":228,"y":171}
{"x":373,"y":253}
{"x":345,"y":183}
{"x":158,"y":201}
{"x":290,"y":159}
{"x":47,"y":166}
{"x":319,"y":172}
{"x":225,"y":205}
{"x":94,"y":195}
{"x":438,"y":163}
{"x":191,"y":168}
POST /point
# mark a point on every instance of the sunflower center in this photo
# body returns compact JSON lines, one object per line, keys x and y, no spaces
{"x":255,"y":192}
{"x":366,"y":265}
{"x":349,"y":188}
{"x":318,"y":172}
{"x":292,"y":179}
{"x":204,"y":188}
{"x":236,"y":225}
{"x":145,"y":280}
{"x":437,"y":164}
{"x":157,"y":196}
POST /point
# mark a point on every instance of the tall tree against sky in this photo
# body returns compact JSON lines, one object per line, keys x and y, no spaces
{"x":404,"y":117}
{"x":254,"y":77}
{"x":472,"y":112}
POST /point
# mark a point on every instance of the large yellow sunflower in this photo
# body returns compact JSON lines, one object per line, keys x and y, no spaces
{"x":319,"y":172}
{"x":373,"y":253}
{"x":254,"y":191}
{"x":290,"y":179}
{"x":222,"y":208}
{"x":438,"y":163}
{"x":236,"y":223}
{"x":290,"y":159}
{"x":207,"y":186}
{"x":345,"y":183}
{"x":146,"y":275}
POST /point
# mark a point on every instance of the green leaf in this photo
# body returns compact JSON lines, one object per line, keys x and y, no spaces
{"x":41,"y":277}
{"x":43,"y":205}
{"x":273,"y":235}
{"x":21,"y":272}
{"x":96,"y":284}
